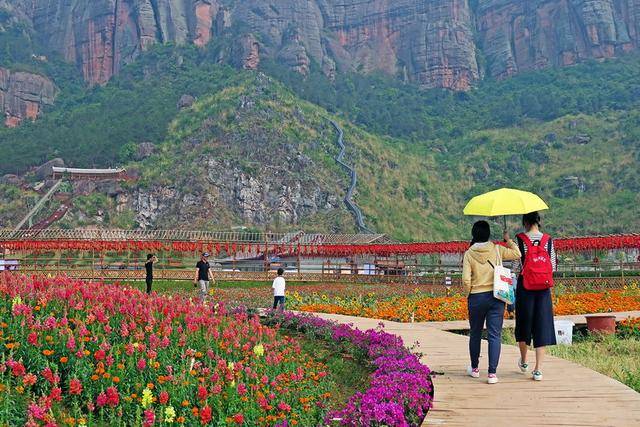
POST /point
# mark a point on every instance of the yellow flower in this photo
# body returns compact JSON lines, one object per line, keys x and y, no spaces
{"x":231,"y":365}
{"x":15,"y":301}
{"x":258,"y":350}
{"x":169,"y":414}
{"x":147,"y":398}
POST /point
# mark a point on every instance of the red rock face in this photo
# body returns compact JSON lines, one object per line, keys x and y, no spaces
{"x":525,"y":35}
{"x":22,"y":95}
{"x":205,"y":14}
{"x":436,"y":43}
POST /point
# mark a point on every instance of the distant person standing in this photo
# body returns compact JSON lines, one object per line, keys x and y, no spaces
{"x":203,"y":275}
{"x":148,"y":266}
{"x":278,"y":286}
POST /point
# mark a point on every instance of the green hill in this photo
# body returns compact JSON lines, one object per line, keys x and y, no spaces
{"x":251,"y":152}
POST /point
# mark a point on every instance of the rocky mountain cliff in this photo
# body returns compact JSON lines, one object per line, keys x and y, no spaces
{"x":22,"y":95}
{"x":437,"y":43}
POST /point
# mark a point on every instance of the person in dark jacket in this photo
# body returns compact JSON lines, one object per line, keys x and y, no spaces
{"x":148,"y":266}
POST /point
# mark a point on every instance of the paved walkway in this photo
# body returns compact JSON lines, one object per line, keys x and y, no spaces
{"x":569,"y":395}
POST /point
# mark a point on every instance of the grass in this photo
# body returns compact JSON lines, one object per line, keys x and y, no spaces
{"x":611,"y":355}
{"x":165,"y":286}
{"x":348,"y":375}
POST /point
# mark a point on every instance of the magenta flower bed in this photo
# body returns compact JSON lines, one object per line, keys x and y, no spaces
{"x":400,"y":392}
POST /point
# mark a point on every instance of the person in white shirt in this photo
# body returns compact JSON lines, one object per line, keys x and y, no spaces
{"x":278,"y":290}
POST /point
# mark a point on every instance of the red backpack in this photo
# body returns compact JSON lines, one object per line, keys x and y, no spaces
{"x":537,"y":270}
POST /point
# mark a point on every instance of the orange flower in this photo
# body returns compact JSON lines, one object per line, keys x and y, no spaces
{"x":64,"y":359}
{"x":116,"y":379}
{"x":48,"y":352}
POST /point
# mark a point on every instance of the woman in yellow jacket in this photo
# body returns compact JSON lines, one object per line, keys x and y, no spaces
{"x":477,"y":278}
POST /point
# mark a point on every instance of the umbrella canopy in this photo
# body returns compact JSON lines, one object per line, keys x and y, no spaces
{"x":505,"y":201}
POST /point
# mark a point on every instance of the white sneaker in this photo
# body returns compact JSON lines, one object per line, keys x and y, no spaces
{"x":523,"y":366}
{"x":473,"y":373}
{"x":492,"y":379}
{"x":537,"y":376}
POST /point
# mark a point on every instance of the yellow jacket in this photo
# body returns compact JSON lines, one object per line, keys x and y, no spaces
{"x":477,"y":273}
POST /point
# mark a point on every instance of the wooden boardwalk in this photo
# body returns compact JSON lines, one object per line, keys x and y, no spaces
{"x":577,"y":319}
{"x":569,"y":395}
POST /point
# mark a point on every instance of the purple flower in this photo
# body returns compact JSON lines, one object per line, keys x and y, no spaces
{"x":400,"y":392}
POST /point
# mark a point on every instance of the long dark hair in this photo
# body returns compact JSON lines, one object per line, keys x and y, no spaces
{"x":480,"y":232}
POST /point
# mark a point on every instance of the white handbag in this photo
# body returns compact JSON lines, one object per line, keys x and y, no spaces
{"x":502,"y":281}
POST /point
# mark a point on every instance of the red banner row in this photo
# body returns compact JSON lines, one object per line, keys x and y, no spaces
{"x":631,"y":241}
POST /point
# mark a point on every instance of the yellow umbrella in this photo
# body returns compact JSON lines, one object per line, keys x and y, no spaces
{"x":505,"y":201}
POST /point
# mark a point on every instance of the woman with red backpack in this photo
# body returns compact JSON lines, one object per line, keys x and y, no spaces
{"x":534,"y":307}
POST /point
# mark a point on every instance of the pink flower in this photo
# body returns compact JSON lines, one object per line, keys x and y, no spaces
{"x":149,"y":417}
{"x":242,"y":389}
{"x":141,"y":364}
{"x":101,"y":400}
{"x":36,"y":411}
{"x":71,"y":343}
{"x":284,"y":407}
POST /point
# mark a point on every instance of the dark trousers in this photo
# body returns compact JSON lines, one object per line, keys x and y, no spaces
{"x":278,"y":301}
{"x":149,"y":281}
{"x":484,"y":306}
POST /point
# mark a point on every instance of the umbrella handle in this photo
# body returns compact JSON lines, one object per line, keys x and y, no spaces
{"x":504,"y":223}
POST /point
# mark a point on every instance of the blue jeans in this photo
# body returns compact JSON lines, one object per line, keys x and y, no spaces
{"x":484,"y":306}
{"x":278,"y":300}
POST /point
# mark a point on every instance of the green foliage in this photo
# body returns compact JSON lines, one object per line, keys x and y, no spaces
{"x":391,"y":107}
{"x":88,"y":126}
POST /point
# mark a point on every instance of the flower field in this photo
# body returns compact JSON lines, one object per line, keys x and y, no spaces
{"x":424,"y":308}
{"x":77,"y":353}
{"x":401,"y":391}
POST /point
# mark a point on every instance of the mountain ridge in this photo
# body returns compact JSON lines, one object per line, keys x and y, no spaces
{"x":440,"y":43}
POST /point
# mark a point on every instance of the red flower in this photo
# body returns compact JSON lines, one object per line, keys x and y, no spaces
{"x":205,"y":415}
{"x":17,"y":368}
{"x":163,"y":397}
{"x":99,"y":355}
{"x":75,"y":386}
{"x":112,"y":397}
{"x":48,"y":375}
{"x":238,"y":418}
{"x":202,"y":393}
{"x":32,"y":338}
{"x":56,"y":394}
